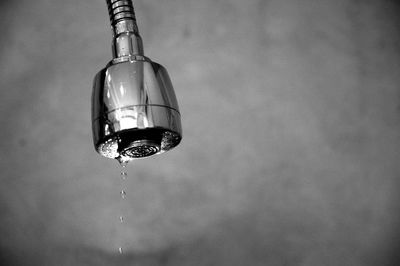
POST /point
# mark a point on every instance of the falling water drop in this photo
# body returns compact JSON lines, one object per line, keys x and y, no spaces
{"x":123,"y":175}
{"x":123,"y":161}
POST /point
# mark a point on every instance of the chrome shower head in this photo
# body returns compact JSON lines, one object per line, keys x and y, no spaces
{"x":135,"y":113}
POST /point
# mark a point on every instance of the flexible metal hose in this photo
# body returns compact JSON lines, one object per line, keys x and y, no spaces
{"x":126,"y":38}
{"x":120,"y":10}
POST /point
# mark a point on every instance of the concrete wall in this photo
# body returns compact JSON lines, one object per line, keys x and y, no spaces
{"x":291,"y":139}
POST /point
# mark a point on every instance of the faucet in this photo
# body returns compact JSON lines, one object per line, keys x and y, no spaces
{"x":135,"y":112}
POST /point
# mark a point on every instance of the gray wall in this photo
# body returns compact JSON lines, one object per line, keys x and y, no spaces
{"x":291,"y":139}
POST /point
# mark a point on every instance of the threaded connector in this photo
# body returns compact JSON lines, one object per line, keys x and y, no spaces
{"x":120,"y":10}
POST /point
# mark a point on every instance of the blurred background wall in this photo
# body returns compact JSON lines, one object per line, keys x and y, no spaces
{"x":290,"y":156}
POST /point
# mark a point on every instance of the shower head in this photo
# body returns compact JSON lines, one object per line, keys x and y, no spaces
{"x":135,"y":113}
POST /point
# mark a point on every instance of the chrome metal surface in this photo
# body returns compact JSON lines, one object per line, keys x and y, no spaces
{"x":126,"y":44}
{"x":120,"y":10}
{"x":133,"y":101}
{"x":135,"y":113}
{"x":125,"y":26}
{"x":141,"y":148}
{"x":126,"y":38}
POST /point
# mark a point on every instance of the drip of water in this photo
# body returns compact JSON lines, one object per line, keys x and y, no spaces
{"x":123,"y":161}
{"x":123,"y":175}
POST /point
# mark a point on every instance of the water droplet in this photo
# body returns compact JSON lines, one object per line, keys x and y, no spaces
{"x":123,"y":175}
{"x":123,"y":161}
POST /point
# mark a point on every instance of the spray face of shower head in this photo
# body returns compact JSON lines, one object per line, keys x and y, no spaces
{"x":135,"y":113}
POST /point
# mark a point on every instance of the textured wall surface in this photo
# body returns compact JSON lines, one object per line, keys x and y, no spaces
{"x":290,"y":156}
